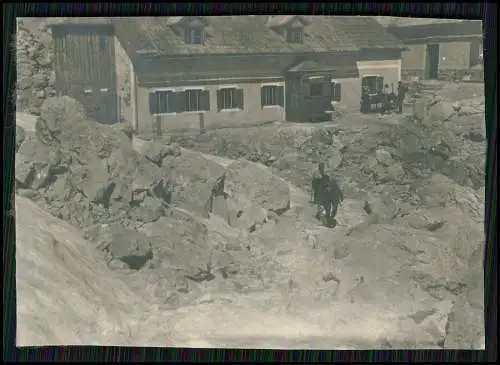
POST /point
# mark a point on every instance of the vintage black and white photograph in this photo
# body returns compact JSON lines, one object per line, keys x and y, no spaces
{"x":251,"y":181}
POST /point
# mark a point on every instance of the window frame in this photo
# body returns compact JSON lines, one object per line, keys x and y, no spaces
{"x":199,"y":100}
{"x":190,"y":36}
{"x":312,"y":86}
{"x":376,"y":89}
{"x":181,"y":104}
{"x":276,"y":97}
{"x":159,"y":111}
{"x":222,"y":106}
{"x":292,"y":35}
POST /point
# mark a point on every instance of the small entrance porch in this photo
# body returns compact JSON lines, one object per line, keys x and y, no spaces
{"x":309,"y":92}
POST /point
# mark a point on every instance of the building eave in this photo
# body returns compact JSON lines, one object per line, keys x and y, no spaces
{"x":441,"y":39}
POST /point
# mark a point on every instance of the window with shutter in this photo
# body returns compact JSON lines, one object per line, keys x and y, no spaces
{"x":239,"y":99}
{"x":271,"y":95}
{"x":230,"y":98}
{"x":193,"y":100}
{"x":161,"y":102}
{"x":281,"y":96}
{"x":220,"y":100}
{"x":177,"y":102}
{"x":205,"y":100}
{"x":153,"y":103}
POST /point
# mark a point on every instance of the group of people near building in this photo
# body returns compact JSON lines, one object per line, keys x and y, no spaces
{"x":393,"y":101}
{"x":389,"y":100}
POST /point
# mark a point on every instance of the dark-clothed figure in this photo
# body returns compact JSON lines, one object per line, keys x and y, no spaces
{"x":385,"y":98}
{"x":318,"y":175}
{"x":332,"y":198}
{"x":402,"y":90}
{"x":326,"y":195}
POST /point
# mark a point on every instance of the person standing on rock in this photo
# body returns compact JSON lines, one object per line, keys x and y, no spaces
{"x":327,"y":195}
{"x":332,"y":197}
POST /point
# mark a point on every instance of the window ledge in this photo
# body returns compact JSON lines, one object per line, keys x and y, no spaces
{"x":182,"y":113}
{"x":196,"y":112}
{"x":164,"y":114}
{"x":271,"y":106}
{"x":231,"y":110}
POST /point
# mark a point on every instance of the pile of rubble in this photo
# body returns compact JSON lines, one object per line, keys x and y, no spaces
{"x":140,"y":208}
{"x":35,"y":72}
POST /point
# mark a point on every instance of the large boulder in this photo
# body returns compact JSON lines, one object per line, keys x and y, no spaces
{"x":57,"y":114}
{"x":244,"y":214}
{"x":351,"y":213}
{"x":157,"y":151}
{"x":193,"y":178}
{"x":131,"y":247}
{"x":441,"y":111}
{"x":440,"y":191}
{"x":256,"y":184}
{"x":37,"y":165}
{"x":94,"y":182}
{"x":180,"y":241}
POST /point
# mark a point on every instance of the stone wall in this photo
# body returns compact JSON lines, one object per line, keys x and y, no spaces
{"x":35,"y":75}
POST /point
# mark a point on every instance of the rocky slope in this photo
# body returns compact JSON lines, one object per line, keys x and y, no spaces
{"x":172,"y":246}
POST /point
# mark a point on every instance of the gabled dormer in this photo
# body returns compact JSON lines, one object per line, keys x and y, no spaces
{"x":290,"y":27}
{"x":193,"y":29}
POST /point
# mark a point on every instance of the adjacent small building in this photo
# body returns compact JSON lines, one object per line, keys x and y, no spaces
{"x":448,"y":50}
{"x":202,"y":72}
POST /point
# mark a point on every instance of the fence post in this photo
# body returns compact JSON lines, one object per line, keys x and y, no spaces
{"x":201,"y":118}
{"x":158,"y":126}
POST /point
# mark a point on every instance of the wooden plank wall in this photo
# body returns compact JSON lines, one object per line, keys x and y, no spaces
{"x":85,"y":60}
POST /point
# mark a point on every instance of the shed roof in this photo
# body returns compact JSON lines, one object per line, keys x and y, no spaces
{"x":464,"y":28}
{"x":252,"y":34}
{"x":395,"y":21}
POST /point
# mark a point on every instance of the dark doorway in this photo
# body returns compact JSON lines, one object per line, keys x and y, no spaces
{"x":101,"y":105}
{"x":432,"y":61}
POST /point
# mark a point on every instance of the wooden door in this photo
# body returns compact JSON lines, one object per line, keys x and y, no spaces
{"x":432,"y":61}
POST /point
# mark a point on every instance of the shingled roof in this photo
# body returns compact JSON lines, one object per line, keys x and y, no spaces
{"x":252,"y":34}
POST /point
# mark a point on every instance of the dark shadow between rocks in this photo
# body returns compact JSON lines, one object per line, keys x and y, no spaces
{"x":137,"y":262}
